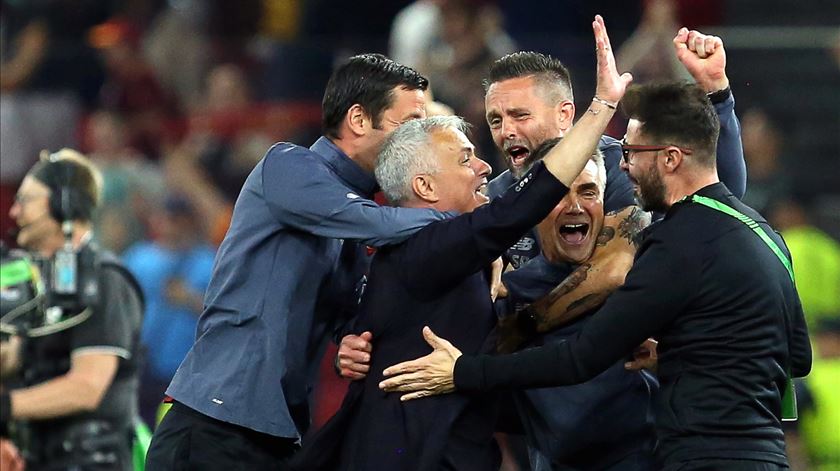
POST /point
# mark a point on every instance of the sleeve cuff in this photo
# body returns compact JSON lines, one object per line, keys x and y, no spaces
{"x":719,"y":96}
{"x":467,"y":374}
{"x":102,"y":350}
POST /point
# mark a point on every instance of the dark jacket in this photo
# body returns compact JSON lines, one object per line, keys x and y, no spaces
{"x":434,"y":278}
{"x":729,"y":323}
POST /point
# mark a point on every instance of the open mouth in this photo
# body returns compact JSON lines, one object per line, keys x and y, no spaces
{"x":574,"y":233}
{"x":482,"y":189}
{"x":518,"y":155}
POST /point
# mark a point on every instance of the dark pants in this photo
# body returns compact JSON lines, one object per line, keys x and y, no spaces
{"x":726,"y":465}
{"x":189,"y":440}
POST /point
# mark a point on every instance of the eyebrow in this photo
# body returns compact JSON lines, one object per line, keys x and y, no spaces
{"x":412,"y":115}
{"x":518,"y":110}
{"x":588,"y":186}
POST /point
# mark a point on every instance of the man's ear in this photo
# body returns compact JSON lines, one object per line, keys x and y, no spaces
{"x":357,"y":120}
{"x":565,"y":115}
{"x":673,"y":159}
{"x":425,"y":188}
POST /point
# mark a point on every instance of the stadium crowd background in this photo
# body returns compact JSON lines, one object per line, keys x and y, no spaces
{"x":177,"y":100}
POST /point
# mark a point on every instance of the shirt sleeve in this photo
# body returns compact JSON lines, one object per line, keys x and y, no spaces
{"x":732,"y":169}
{"x":657,"y":289}
{"x":303,"y":194}
{"x":111,"y":327}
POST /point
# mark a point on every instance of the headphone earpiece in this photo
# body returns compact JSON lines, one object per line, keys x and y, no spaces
{"x":68,"y":203}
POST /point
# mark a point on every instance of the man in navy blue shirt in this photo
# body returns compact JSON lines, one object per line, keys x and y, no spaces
{"x":283,"y":274}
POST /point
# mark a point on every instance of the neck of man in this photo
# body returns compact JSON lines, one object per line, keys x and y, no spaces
{"x":358,"y":153}
{"x":690,"y":183}
{"x":81,"y":234}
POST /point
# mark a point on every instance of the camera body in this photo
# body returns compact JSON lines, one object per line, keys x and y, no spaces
{"x":41,"y":296}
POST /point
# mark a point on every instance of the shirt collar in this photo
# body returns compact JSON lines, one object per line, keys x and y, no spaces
{"x":348,"y":170}
{"x":717,"y":191}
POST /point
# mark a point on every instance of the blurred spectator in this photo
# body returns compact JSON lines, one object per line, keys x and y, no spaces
{"x":179,"y":51}
{"x":132,"y":185}
{"x":819,"y":425}
{"x":173,"y":271}
{"x":414,"y":29}
{"x":469,"y":38}
{"x":649,"y":52}
{"x":762,"y":141}
{"x":224,"y":108}
{"x":131,"y":87}
{"x":47,"y":74}
{"x":226,"y":139}
{"x":816,"y":259}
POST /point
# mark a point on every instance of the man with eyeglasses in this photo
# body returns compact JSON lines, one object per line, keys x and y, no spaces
{"x":529,"y":101}
{"x":712,"y":282}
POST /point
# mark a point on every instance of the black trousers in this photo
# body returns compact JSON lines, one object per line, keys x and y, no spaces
{"x":189,"y":440}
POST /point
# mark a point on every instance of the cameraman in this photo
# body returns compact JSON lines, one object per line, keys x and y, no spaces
{"x":77,"y":404}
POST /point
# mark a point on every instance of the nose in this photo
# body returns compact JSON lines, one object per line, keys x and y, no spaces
{"x":508,"y":129}
{"x":481,"y":168}
{"x":14,"y":211}
{"x":574,"y":205}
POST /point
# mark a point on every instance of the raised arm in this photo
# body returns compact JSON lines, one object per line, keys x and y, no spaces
{"x":474,"y":240}
{"x":705,"y":59}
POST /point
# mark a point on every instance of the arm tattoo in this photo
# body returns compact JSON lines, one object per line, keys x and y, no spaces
{"x":630,"y":228}
{"x":588,"y":302}
{"x":541,"y":309}
{"x":568,"y":285}
{"x":607,"y":234}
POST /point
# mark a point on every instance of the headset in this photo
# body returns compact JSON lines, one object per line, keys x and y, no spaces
{"x":67,"y":202}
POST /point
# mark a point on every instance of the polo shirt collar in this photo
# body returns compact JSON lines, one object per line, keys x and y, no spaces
{"x":345,"y":168}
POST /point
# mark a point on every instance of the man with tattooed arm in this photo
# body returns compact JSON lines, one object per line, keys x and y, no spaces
{"x":529,"y":101}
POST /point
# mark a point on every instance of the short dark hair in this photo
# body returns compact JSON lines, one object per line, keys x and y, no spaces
{"x":545,"y":69}
{"x":367,"y":80}
{"x":677,"y":113}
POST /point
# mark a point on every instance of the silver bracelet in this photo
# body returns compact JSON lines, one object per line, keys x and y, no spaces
{"x":605,"y":103}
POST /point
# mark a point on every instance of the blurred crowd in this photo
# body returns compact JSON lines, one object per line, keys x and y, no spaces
{"x":177,"y":100}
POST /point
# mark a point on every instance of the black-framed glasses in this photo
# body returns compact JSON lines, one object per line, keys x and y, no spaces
{"x":627,"y":149}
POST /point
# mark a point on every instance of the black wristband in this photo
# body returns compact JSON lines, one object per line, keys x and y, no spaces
{"x":719,"y":96}
{"x":5,"y":407}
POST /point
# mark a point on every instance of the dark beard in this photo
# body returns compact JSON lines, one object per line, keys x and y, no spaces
{"x":651,"y":194}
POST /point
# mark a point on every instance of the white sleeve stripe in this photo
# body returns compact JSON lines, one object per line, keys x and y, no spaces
{"x":102,"y":349}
